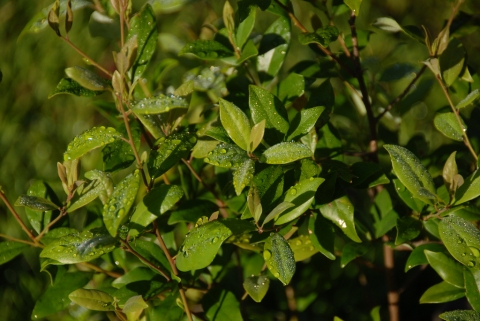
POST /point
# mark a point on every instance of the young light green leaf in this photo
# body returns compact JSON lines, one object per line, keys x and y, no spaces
{"x":450,"y":172}
{"x":203,"y":242}
{"x":387,"y":24}
{"x":185,"y":89}
{"x":115,"y":211}
{"x":9,"y":250}
{"x":36,"y":217}
{"x":303,"y":122}
{"x":469,"y":190}
{"x":79,"y":247}
{"x":279,"y":258}
{"x":36,"y":203}
{"x":452,"y":61}
{"x":442,"y":292}
{"x":207,"y":50}
{"x":159,"y":104}
{"x":70,"y":86}
{"x":340,"y":212}
{"x":411,"y":172}
{"x":218,"y":133}
{"x":87,"y":78}
{"x":90,"y":193}
{"x":253,"y":203}
{"x":323,"y":36}
{"x":235,"y":123}
{"x":284,"y":153}
{"x":462,"y":240}
{"x":301,"y":195}
{"x":134,"y":304}
{"x":246,"y":20}
{"x":93,"y":299}
{"x":279,"y":209}
{"x":228,"y":17}
{"x":256,"y":287}
{"x":449,"y":270}
{"x":248,"y":52}
{"x":256,"y":135}
{"x":472,"y":290}
{"x":170,"y":151}
{"x":460,"y":315}
{"x":408,"y":228}
{"x":302,"y":247}
{"x":471,"y":97}
{"x":227,"y":155}
{"x":243,"y":175}
{"x":447,"y":124}
{"x":143,"y":26}
{"x":89,"y":140}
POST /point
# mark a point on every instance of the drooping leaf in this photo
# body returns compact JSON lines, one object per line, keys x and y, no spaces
{"x":151,"y":125}
{"x":119,"y":154}
{"x":323,"y":36}
{"x":93,"y":299}
{"x":207,"y":50}
{"x":351,"y":251}
{"x":227,"y":155}
{"x":460,"y":315}
{"x":301,"y":195}
{"x":9,"y":250}
{"x":447,"y":124}
{"x":35,"y":203}
{"x":471,"y":97}
{"x":449,"y":270}
{"x":302,"y":247}
{"x":279,"y":258}
{"x":79,"y":247}
{"x":442,"y":292}
{"x":303,"y":122}
{"x":115,"y":211}
{"x":340,"y":212}
{"x":243,"y":175}
{"x":469,"y":190}
{"x":256,"y":287}
{"x":36,"y":217}
{"x":235,"y":123}
{"x":417,"y":257}
{"x":89,"y":140}
{"x":159,"y":104}
{"x":170,"y":151}
{"x":70,"y":86}
{"x":286,"y":152}
{"x":412,"y":173}
{"x":86,"y":78}
{"x":408,"y":228}
{"x":143,"y":26}
{"x":322,"y":235}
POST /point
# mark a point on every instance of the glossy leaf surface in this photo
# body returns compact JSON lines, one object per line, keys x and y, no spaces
{"x":417,"y":257}
{"x":286,"y":152}
{"x":119,"y":154}
{"x":447,"y":268}
{"x":87,"y":78}
{"x":303,"y":122}
{"x":442,"y":292}
{"x":340,"y":212}
{"x":302,"y":247}
{"x":227,"y":156}
{"x":89,"y":140}
{"x":279,"y":258}
{"x":92,"y":299}
{"x":447,"y":124}
{"x":471,"y":97}
{"x":460,"y":315}
{"x":257,"y":287}
{"x":235,"y":123}
{"x":159,"y":104}
{"x":70,"y":86}
{"x":243,"y":175}
{"x":469,"y":190}
{"x":35,"y":203}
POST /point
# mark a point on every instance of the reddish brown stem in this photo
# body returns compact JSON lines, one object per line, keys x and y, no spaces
{"x":17,"y":217}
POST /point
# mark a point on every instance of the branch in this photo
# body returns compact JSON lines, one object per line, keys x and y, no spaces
{"x":13,"y":239}
{"x":100,"y":270}
{"x":17,"y":217}
{"x":63,"y":212}
{"x":393,"y":294}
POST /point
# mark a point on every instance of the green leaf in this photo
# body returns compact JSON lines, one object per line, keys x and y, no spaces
{"x":221,"y":304}
{"x":450,"y":170}
{"x":207,"y":50}
{"x":264,"y":105}
{"x":227,"y":156}
{"x":417,"y":257}
{"x":323,"y":36}
{"x":89,"y":140}
{"x":135,"y":275}
{"x":291,"y":88}
{"x":36,"y":217}
{"x":248,"y":52}
{"x":191,"y":211}
{"x":87,"y":78}
{"x":55,"y":298}
{"x":452,"y":61}
{"x":203,"y":242}
{"x":152,"y":253}
{"x":351,"y":251}
{"x":243,"y":175}
{"x":329,"y":143}
{"x":256,"y":135}
{"x":340,"y":212}
{"x":322,"y":235}
{"x":449,"y":270}
{"x":119,"y":154}
{"x":284,"y":153}
{"x":462,"y":240}
{"x":354,"y":5}
{"x":70,"y":86}
{"x":387,"y":24}
{"x":407,"y":197}
{"x":303,"y":122}
{"x":235,"y":123}
{"x":270,"y":184}
{"x":79,"y":247}
{"x":279,"y":209}
{"x":397,"y":71}
{"x":411,"y":173}
{"x":460,"y":315}
{"x":408,"y":228}
{"x":469,"y":190}
{"x":301,"y":195}
{"x":143,"y":25}
{"x":302,"y":247}
{"x":447,"y":124}
{"x":218,"y":133}
{"x":134,"y":304}
{"x":93,"y":300}
{"x":35,"y":203}
{"x":471,"y":97}
{"x":170,"y":151}
{"x":274,"y":46}
{"x":150,"y":122}
{"x":159,"y":104}
{"x":442,"y":292}
{"x":93,"y":190}
{"x":167,"y":309}
{"x":115,"y":211}
{"x":471,"y":289}
{"x":246,"y":20}
{"x":279,"y":258}
{"x":167,"y":6}
{"x":9,"y":250}
{"x":256,"y":287}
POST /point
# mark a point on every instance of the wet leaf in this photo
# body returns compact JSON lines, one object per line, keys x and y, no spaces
{"x":460,"y":315}
{"x":207,"y":50}
{"x":407,"y":197}
{"x":119,"y":154}
{"x":115,"y":211}
{"x":257,"y":287}
{"x":37,"y":218}
{"x":9,"y":250}
{"x":323,"y":36}
{"x":351,"y":251}
{"x":417,"y":257}
{"x":284,"y":153}
{"x":159,"y":104}
{"x":447,"y":124}
{"x":152,"y":253}
{"x":471,"y":97}
{"x":340,"y":212}
{"x":70,"y":86}
{"x":93,"y":190}
{"x":447,"y":268}
{"x":303,"y":122}
{"x":227,"y":155}
{"x":442,"y":292}
{"x":279,"y":258}
{"x":256,"y":135}
{"x":151,"y":125}
{"x":235,"y":123}
{"x":87,"y":78}
{"x":243,"y":175}
{"x":412,"y":173}
{"x":279,"y":209}
{"x":36,"y":203}
{"x":89,"y":140}
{"x":469,"y":190}
{"x":408,"y":228}
{"x":302,"y":247}
{"x":93,"y":299}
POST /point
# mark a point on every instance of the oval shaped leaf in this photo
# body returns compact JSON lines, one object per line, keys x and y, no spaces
{"x":303,"y":122}
{"x":302,"y":247}
{"x":227,"y":155}
{"x":115,"y":211}
{"x":119,"y":154}
{"x":411,"y":173}
{"x":9,"y":250}
{"x":257,"y":287}
{"x":460,"y":315}
{"x":134,"y":304}
{"x":279,"y":258}
{"x":256,"y":135}
{"x":417,"y":257}
{"x":285,"y":153}
{"x":243,"y":175}
{"x":35,"y":203}
{"x":471,"y":97}
{"x":235,"y":123}
{"x":89,"y":140}
{"x":340,"y":212}
{"x":387,"y":24}
{"x":207,"y":49}
{"x":447,"y":124}
{"x":469,"y":190}
{"x":159,"y":104}
{"x":89,"y":194}
{"x":471,"y":288}
{"x":87,"y":78}
{"x":93,"y":299}
{"x":70,"y":86}
{"x":442,"y":292}
{"x":452,"y":61}
{"x":449,"y":270}
{"x":351,"y":251}
{"x":279,"y":209}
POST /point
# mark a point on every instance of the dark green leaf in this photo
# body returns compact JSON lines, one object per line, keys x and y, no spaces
{"x":167,"y":309}
{"x":323,"y":36}
{"x":135,"y":275}
{"x":397,"y":71}
{"x":243,"y":175}
{"x":93,"y":190}
{"x":284,"y":153}
{"x":87,"y":78}
{"x":101,"y":25}
{"x":302,"y":247}
{"x":218,"y":133}
{"x":115,"y":211}
{"x":235,"y":123}
{"x":329,"y":143}
{"x":143,"y":25}
{"x":93,"y":300}
{"x":408,"y":228}
{"x":257,"y":287}
{"x":170,"y":151}
{"x":452,"y":61}
{"x":150,"y":122}
{"x":191,"y":211}
{"x":460,"y":315}
{"x":412,"y":202}
{"x":221,"y":305}
{"x":449,"y":270}
{"x":119,"y":154}
{"x":447,"y":124}
{"x":340,"y":212}
{"x":303,"y":122}
{"x":351,"y":251}
{"x":322,"y":235}
{"x":471,"y":97}
{"x":70,"y":86}
{"x":207,"y":49}
{"x":35,"y":203}
{"x":9,"y":250}
{"x":36,"y":217}
{"x":248,"y":52}
{"x":368,"y":175}
{"x":279,"y":209}
{"x":469,"y":190}
{"x":279,"y":258}
{"x":159,"y":104}
{"x":152,"y":253}
{"x":227,"y":155}
{"x":472,"y":290}
{"x":417,"y":257}
{"x":89,"y":140}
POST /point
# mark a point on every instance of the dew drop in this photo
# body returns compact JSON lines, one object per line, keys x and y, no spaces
{"x":267,"y":254}
{"x":475,"y":251}
{"x":471,"y":264}
{"x":293,"y":191}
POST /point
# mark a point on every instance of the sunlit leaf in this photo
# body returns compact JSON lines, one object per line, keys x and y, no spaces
{"x":417,"y":257}
{"x":93,"y":299}
{"x":471,"y":97}
{"x":257,"y":287}
{"x":243,"y":175}
{"x":469,"y":190}
{"x":134,"y":304}
{"x":284,"y":153}
{"x":302,"y":247}
{"x":159,"y":104}
{"x":235,"y":123}
{"x":35,"y":203}
{"x":89,"y":140}
{"x":279,"y":258}
{"x":227,"y":155}
{"x":303,"y":122}
{"x":447,"y":124}
{"x":119,"y":154}
{"x":442,"y":292}
{"x":86,"y":78}
{"x":340,"y":212}
{"x":354,"y":5}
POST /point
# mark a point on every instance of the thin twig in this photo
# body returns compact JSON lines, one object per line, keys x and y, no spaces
{"x":84,"y":55}
{"x":100,"y":270}
{"x":63,"y":212}
{"x":17,"y":217}
{"x":393,"y":295}
{"x":13,"y":239}
{"x":122,"y":23}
